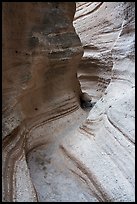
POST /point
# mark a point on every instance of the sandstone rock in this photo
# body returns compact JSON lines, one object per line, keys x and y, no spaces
{"x":54,"y":151}
{"x":41,"y":53}
{"x":85,"y":100}
{"x":85,"y":97}
{"x":106,"y":72}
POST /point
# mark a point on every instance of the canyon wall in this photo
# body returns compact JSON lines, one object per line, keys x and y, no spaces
{"x":107,"y":73}
{"x":40,"y":55}
{"x":54,"y":150}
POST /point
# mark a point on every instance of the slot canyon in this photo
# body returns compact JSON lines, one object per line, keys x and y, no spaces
{"x":68,"y":101}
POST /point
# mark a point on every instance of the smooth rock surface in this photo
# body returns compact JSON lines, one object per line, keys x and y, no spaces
{"x":53,"y":150}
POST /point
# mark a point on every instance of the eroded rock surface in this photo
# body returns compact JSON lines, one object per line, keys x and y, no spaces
{"x":53,"y":150}
{"x":41,"y":52}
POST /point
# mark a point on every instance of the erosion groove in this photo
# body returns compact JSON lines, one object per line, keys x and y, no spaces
{"x":89,"y":174}
{"x":68,"y":102}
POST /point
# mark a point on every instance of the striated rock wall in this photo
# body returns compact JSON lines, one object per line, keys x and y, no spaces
{"x":54,"y":151}
{"x":107,"y":36}
{"x":107,"y":73}
{"x":41,"y":46}
{"x":41,"y":52}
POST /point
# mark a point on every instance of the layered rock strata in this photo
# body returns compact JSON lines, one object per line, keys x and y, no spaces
{"x":107,"y":73}
{"x":41,"y":52}
{"x":53,"y":150}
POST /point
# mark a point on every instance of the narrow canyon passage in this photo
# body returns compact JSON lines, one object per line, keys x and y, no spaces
{"x":52,"y":178}
{"x":57,"y":146}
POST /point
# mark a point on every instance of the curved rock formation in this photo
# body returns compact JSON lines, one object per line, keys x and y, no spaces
{"x":53,"y":150}
{"x":39,"y":81}
{"x":107,"y":73}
